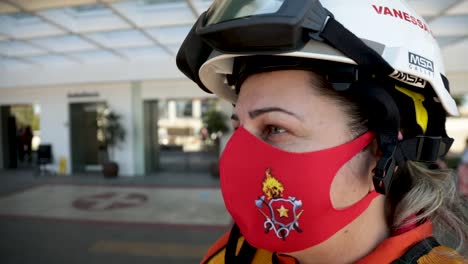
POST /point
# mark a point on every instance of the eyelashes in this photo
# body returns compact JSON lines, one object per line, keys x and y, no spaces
{"x":274,"y":133}
{"x":269,"y":132}
{"x":272,"y":129}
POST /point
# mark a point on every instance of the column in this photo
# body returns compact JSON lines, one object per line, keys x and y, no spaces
{"x":138,"y":127}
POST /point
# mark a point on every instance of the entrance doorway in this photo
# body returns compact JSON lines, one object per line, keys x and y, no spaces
{"x":88,"y":149}
{"x":19,"y":135}
{"x":174,"y":142}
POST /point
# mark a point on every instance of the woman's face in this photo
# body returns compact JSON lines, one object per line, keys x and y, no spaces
{"x":285,"y":110}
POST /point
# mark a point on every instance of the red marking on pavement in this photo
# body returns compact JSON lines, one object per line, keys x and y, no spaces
{"x":139,"y":186}
{"x":112,"y":223}
{"x":143,"y":186}
{"x":117,"y":224}
{"x":109,"y":201}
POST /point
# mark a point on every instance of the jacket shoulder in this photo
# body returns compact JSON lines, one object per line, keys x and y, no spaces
{"x":216,"y":249}
{"x":442,"y":255}
{"x":429,"y":251}
{"x":216,"y":253}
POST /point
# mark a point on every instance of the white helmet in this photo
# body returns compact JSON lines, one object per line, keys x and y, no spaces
{"x":383,"y":39}
{"x":391,"y":28}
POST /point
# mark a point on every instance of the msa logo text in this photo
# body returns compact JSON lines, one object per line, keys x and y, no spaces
{"x":420,"y":62}
{"x":409,"y":79}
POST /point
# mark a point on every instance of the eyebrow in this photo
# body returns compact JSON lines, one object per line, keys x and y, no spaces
{"x":257,"y":112}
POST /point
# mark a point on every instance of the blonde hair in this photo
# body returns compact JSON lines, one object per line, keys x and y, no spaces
{"x":432,"y":195}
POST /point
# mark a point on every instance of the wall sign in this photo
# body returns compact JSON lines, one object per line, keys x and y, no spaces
{"x":82,"y":94}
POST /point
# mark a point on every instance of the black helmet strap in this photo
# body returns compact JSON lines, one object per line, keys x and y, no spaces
{"x":384,"y":120}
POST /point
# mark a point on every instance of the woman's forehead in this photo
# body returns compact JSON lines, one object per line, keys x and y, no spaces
{"x":290,"y":90}
{"x":286,"y":88}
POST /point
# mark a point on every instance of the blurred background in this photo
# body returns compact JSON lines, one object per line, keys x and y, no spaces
{"x":90,"y":82}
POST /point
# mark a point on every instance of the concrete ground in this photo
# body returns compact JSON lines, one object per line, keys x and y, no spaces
{"x":72,"y":224}
{"x":162,"y":218}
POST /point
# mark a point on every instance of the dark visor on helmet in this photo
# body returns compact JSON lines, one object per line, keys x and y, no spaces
{"x":240,"y":26}
{"x":268,"y":27}
{"x":222,"y":10}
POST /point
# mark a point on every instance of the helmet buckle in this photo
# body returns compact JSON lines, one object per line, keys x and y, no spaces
{"x":384,"y":171}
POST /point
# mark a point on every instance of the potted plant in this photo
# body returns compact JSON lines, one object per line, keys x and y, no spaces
{"x":215,"y":123}
{"x":113,"y":134}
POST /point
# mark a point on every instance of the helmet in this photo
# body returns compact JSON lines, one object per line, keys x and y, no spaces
{"x":390,"y":28}
{"x":386,"y":38}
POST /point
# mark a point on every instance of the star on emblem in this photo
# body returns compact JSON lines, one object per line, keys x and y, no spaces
{"x":283,"y":211}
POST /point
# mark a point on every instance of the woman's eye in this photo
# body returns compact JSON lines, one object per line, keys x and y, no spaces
{"x":274,"y":130}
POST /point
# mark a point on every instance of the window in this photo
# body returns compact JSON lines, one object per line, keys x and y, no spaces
{"x":208,"y":104}
{"x":184,"y":108}
{"x":163,"y":109}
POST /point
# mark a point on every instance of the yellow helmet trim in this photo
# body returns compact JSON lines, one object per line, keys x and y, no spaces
{"x":420,"y":110}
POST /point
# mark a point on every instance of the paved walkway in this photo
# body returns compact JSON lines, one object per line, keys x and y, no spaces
{"x":162,"y":218}
{"x":89,"y":219}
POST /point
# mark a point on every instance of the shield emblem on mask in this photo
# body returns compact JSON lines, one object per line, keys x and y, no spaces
{"x":281,"y":214}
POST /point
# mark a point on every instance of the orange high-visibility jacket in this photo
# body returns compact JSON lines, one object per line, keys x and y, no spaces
{"x":416,"y":246}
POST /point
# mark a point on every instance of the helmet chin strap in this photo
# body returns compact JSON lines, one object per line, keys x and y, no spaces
{"x":384,"y":120}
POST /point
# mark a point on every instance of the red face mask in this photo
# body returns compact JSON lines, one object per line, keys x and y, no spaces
{"x":281,"y":200}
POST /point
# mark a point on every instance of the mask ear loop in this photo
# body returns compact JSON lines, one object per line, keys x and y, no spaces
{"x":384,"y":120}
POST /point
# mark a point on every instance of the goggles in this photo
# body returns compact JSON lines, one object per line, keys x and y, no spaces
{"x":278,"y":26}
{"x":240,"y":26}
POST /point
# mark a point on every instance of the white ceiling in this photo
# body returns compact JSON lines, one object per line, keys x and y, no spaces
{"x":38,"y":33}
{"x":79,"y":31}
